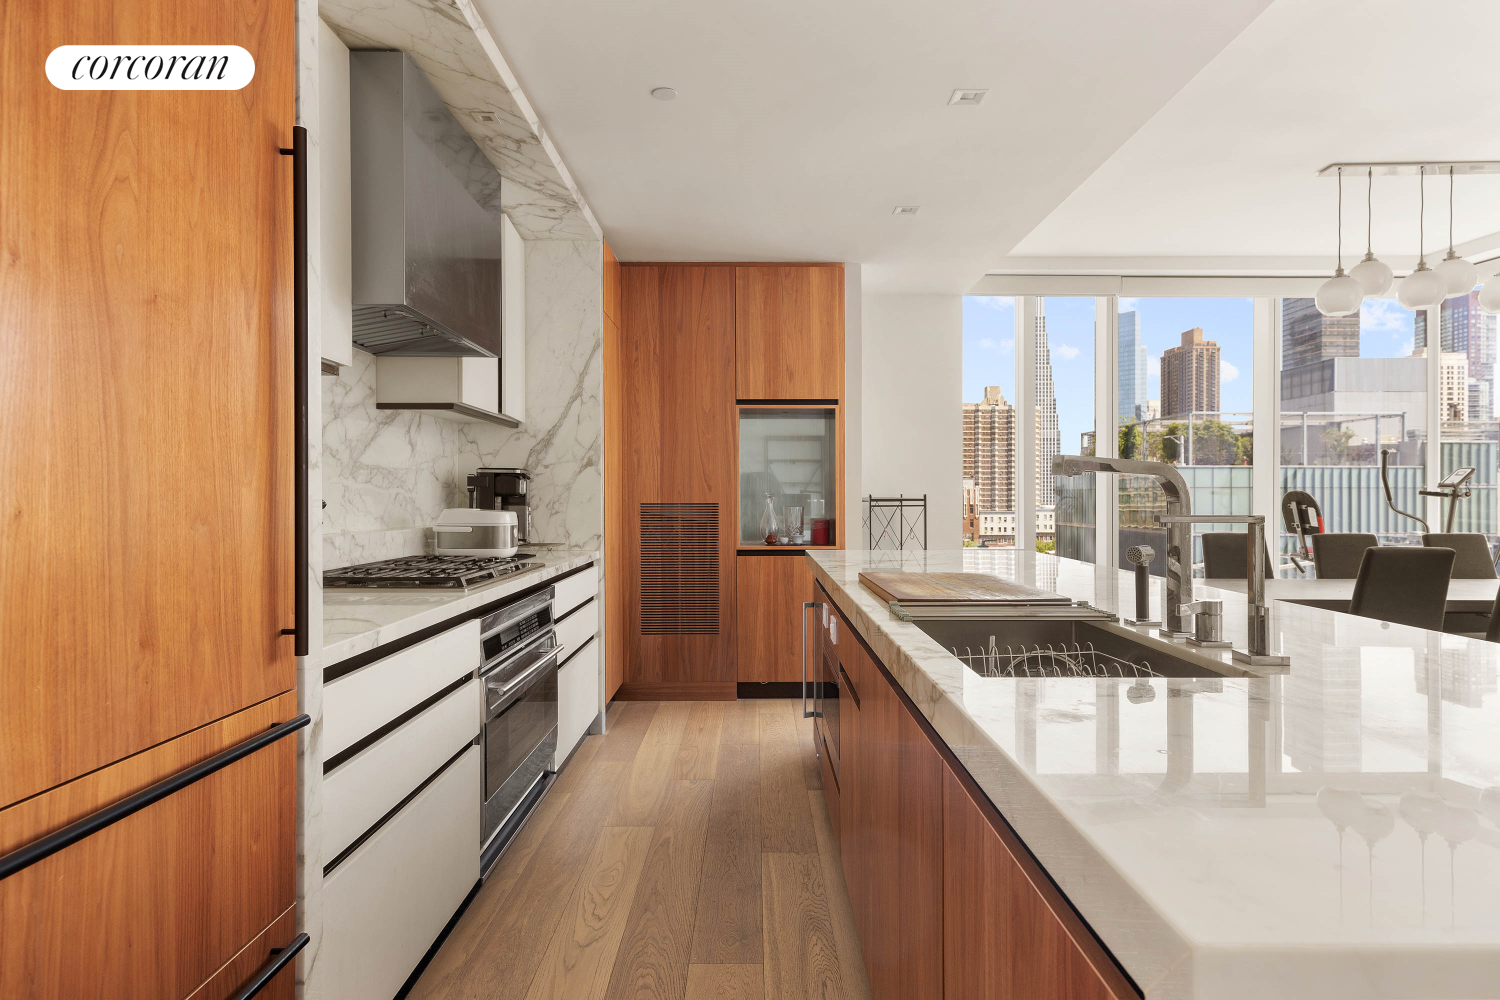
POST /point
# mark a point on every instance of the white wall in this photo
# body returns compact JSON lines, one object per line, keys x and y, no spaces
{"x":911,"y":398}
{"x":850,"y":531}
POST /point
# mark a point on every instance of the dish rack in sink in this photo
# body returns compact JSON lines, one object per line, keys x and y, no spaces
{"x":1067,"y":660}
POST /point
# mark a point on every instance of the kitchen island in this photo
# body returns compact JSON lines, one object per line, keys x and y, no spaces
{"x":1185,"y":828}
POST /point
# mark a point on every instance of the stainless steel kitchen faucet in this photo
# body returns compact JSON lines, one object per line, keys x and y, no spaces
{"x":1179,"y":520}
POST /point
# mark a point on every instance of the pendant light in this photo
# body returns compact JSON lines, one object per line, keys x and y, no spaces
{"x":1489,"y":295}
{"x":1457,"y":274}
{"x":1423,"y":287}
{"x":1374,"y":276}
{"x":1340,"y":295}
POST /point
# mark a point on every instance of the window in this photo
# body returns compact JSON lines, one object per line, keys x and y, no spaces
{"x":1065,"y":506}
{"x":989,"y":421}
{"x":1185,"y":371}
{"x":1352,"y":387}
{"x":1471,"y":436}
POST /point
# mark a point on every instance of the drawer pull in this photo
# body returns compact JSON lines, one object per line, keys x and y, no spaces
{"x":91,"y":824}
{"x":279,"y":958}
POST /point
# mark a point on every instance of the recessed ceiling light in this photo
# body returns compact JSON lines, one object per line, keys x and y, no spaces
{"x":906,"y":210}
{"x":664,"y":94}
{"x":967,"y":96}
{"x":484,"y":116}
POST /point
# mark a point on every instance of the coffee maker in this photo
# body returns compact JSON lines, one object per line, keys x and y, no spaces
{"x":505,"y":489}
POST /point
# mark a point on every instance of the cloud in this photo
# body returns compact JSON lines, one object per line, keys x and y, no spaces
{"x":1127,"y":305}
{"x":999,"y":303}
{"x":1405,"y":348}
{"x":1381,"y":315}
{"x":987,"y":343}
{"x":1068,"y":353}
{"x":1227,"y":371}
{"x":1007,"y":345}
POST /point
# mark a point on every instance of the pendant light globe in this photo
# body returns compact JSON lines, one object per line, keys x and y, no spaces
{"x":1422,"y":288}
{"x":1340,"y":295}
{"x":1489,"y":295}
{"x":1373,"y":275}
{"x":1459,"y":276}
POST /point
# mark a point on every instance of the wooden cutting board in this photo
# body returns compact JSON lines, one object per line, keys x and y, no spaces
{"x":954,"y":588}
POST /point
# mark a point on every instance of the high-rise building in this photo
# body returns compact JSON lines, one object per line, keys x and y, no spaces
{"x":1190,"y":376}
{"x":1463,"y":328}
{"x":1307,"y":335}
{"x":1132,"y":368}
{"x":1481,"y":402}
{"x":1453,"y":385}
{"x":990,"y":452}
{"x":1048,"y":436}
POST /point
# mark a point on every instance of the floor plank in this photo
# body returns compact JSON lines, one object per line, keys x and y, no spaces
{"x":627,"y":730}
{"x":577,"y":766}
{"x":653,"y":958}
{"x":840,"y":910}
{"x":807,"y":742}
{"x":698,"y":753}
{"x":578,"y":961}
{"x":786,"y":822}
{"x":639,"y":799}
{"x":728,"y":928}
{"x":669,"y":724}
{"x":802,"y":959}
{"x":726,"y":982}
{"x":512,"y":928}
{"x":741,"y":722}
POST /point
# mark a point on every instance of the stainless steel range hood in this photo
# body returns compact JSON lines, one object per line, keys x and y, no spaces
{"x":426,"y":253}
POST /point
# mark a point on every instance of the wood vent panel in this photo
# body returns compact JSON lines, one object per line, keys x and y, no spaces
{"x":679,"y":569}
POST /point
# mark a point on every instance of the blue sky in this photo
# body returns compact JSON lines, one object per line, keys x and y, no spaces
{"x":989,"y":346}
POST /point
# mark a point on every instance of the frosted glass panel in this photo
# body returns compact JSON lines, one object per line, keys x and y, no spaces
{"x":789,"y":454}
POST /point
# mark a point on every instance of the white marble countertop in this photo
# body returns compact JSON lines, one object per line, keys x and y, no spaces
{"x":359,"y":619}
{"x":1187,"y":829}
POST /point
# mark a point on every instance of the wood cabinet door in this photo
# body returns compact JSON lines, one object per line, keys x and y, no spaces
{"x":919,"y":938}
{"x":677,"y":482}
{"x":1001,"y":939}
{"x":769,"y":592}
{"x":789,"y":332}
{"x":146,"y":390}
{"x":155,"y":904}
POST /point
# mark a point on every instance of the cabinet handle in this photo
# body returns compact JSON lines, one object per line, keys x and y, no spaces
{"x":71,"y":834}
{"x":279,"y":958}
{"x":300,"y":558}
{"x":806,"y":607}
{"x":848,"y":683}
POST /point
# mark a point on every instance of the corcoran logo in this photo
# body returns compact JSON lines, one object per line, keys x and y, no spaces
{"x":150,"y":67}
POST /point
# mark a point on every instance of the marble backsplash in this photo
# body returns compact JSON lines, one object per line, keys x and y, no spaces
{"x":388,"y":474}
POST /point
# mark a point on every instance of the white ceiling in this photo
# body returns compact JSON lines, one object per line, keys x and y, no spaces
{"x":800,"y":125}
{"x":1228,"y":167}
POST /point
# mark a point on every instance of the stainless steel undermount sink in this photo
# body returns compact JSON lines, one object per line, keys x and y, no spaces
{"x":1057,"y":647}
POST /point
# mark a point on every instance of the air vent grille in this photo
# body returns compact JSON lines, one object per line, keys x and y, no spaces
{"x":679,"y":569}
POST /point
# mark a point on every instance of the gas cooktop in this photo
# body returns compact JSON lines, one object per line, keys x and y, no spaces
{"x":429,"y":572}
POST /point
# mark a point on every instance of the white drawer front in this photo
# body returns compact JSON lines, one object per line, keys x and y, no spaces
{"x":386,"y":904}
{"x":577,"y":699}
{"x":368,"y":785}
{"x":577,"y":627}
{"x":567,"y":594}
{"x":359,"y":703}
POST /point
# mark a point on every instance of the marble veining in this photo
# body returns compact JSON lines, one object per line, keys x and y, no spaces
{"x":452,"y":44}
{"x":388,"y":474}
{"x":357,"y":620}
{"x":1332,"y":830}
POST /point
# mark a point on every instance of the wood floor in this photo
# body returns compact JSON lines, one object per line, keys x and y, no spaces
{"x":686,"y":855}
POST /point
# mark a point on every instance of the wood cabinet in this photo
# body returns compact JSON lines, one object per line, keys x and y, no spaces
{"x":947,"y":903}
{"x":154,"y":904}
{"x":769,"y":593}
{"x":1002,"y":938}
{"x":146,"y":345}
{"x":676,"y":481}
{"x":789,"y":332}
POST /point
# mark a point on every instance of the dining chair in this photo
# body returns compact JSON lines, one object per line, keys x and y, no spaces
{"x":1224,"y":555}
{"x":1474,"y":561}
{"x":1403,"y":584}
{"x":1337,"y":555}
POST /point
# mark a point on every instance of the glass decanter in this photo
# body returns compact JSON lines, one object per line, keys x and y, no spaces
{"x":768,"y":523}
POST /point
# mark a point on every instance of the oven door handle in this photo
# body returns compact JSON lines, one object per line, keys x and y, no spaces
{"x":504,"y":691}
{"x":493,"y":663}
{"x":806,"y":607}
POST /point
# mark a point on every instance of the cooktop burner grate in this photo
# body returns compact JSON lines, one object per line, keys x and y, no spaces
{"x":430,"y":571}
